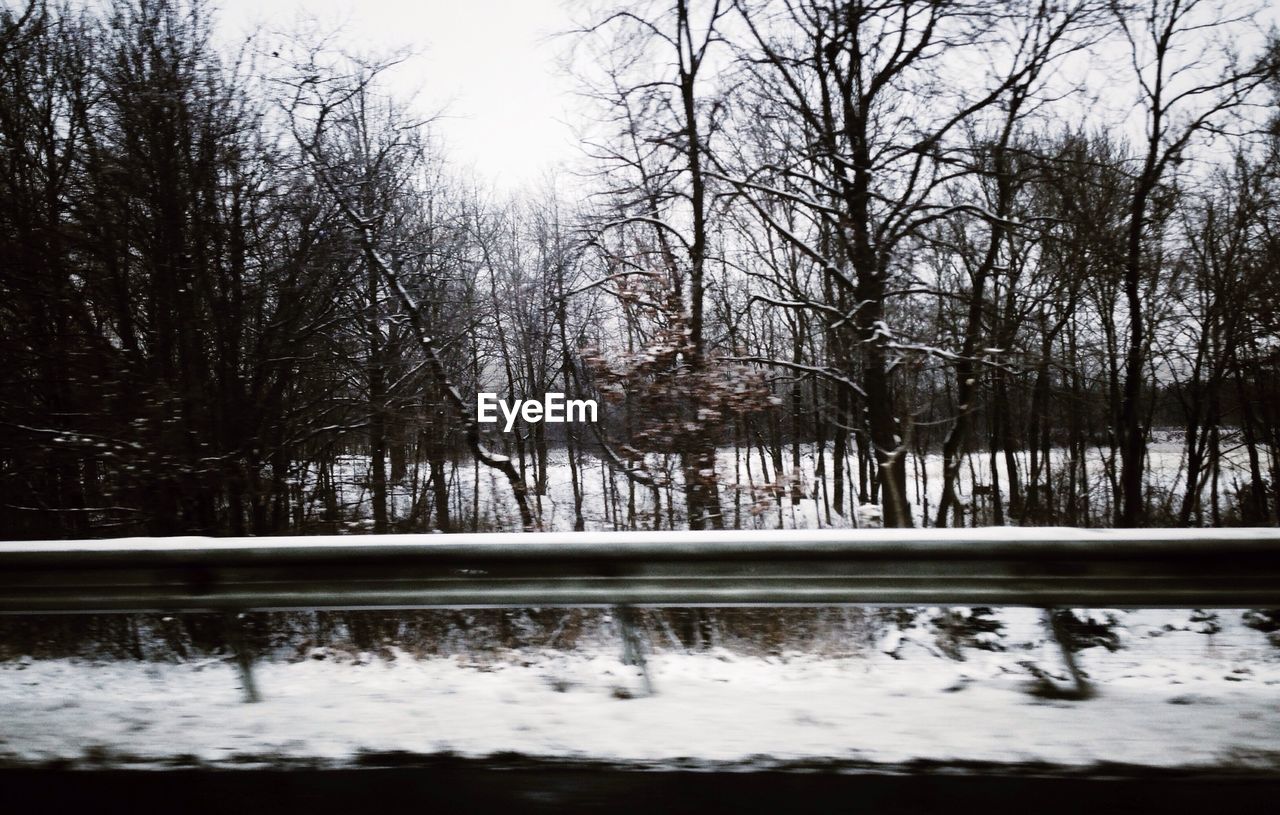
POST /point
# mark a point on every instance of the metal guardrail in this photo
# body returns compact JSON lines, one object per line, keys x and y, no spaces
{"x":1040,"y":567}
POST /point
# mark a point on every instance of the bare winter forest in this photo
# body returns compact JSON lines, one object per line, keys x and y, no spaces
{"x":893,"y":262}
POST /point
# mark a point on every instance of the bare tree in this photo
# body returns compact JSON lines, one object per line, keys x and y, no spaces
{"x":869,"y":98}
{"x":324,"y":99}
{"x":1184,"y":90}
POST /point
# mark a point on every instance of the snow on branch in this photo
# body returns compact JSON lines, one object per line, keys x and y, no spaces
{"x":823,"y":371}
{"x":799,"y":304}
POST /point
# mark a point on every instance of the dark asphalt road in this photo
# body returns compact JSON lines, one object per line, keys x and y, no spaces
{"x":528,"y":787}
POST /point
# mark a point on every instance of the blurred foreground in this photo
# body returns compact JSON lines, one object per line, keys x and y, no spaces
{"x":1179,"y":690}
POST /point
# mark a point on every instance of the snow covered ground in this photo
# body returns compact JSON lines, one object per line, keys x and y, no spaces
{"x":1171,"y":696}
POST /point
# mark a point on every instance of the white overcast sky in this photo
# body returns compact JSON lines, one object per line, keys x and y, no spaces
{"x":490,"y":64}
{"x":493,"y":67}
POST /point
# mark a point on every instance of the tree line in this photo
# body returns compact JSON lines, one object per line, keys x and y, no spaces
{"x":964,"y":262}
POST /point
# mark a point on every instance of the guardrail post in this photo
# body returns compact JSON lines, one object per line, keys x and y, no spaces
{"x":1081,"y":688}
{"x":243,"y":654}
{"x":633,"y":645}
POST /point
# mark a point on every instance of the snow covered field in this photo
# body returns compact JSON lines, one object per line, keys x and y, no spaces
{"x":1171,"y":696}
{"x":746,"y":499}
